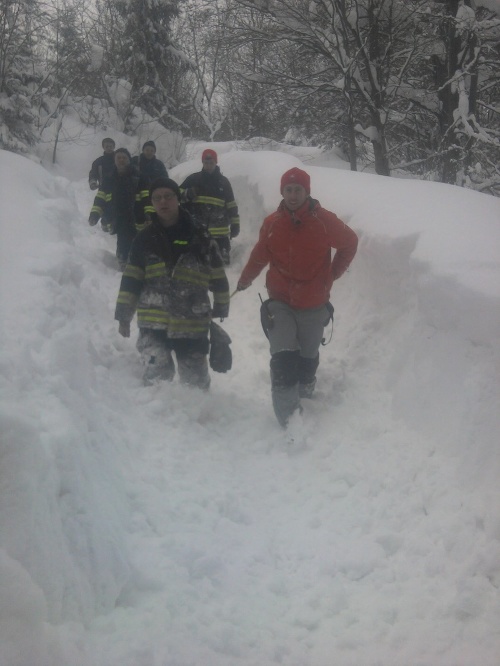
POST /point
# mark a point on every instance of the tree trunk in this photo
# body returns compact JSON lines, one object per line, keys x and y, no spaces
{"x":56,"y":140}
{"x":382,"y":165}
{"x":448,"y":96}
{"x":351,"y":134}
{"x":352,"y":145}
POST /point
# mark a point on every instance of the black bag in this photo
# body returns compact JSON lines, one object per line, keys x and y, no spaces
{"x":331,"y":310}
{"x":266,"y":318}
{"x":221,"y":356}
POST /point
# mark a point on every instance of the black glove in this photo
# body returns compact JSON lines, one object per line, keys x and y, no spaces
{"x":220,"y":311}
{"x":93,"y":184}
{"x":235,"y":230}
{"x":93,"y":219}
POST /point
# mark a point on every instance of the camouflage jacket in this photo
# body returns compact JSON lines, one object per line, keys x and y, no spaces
{"x":168,"y":277}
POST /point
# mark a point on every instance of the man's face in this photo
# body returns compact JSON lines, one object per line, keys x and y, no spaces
{"x":294,"y":196}
{"x":209,"y":164}
{"x":108,"y":147}
{"x":121,"y":161}
{"x":148,"y":152}
{"x":166,"y":205}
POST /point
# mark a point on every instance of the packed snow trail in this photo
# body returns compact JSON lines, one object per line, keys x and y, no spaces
{"x":246,"y":550}
{"x":180,"y":528}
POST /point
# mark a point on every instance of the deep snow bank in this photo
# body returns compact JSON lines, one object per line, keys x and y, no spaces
{"x":63,"y":506}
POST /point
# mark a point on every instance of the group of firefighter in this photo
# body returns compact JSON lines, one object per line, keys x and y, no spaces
{"x":173,"y":247}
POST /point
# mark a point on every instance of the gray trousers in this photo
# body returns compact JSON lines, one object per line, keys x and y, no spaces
{"x":294,"y":338}
{"x":156,"y":354}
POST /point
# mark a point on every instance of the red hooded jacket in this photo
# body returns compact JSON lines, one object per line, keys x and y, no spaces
{"x":297,"y":245}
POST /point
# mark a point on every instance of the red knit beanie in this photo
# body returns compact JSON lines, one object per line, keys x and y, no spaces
{"x":208,"y":152}
{"x":296,"y":177}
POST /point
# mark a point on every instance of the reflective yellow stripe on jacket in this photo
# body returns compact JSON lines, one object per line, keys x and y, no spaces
{"x":212,"y":201}
{"x":98,"y":207}
{"x":155,"y":270}
{"x":193,"y":277}
{"x":150,"y":316}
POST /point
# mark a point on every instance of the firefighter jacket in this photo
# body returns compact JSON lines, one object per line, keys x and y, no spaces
{"x":210,"y":200}
{"x":167,"y":279}
{"x":123,"y":199}
{"x":149,"y":169}
{"x":297,"y":246}
{"x":101,"y":168}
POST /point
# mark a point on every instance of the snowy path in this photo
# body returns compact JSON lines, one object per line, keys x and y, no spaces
{"x":353,"y":547}
{"x":162,"y":526}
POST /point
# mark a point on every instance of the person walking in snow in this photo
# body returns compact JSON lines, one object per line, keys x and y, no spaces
{"x":296,"y":242}
{"x":122,"y":200}
{"x":208,"y":196}
{"x":103,"y":165}
{"x":173,"y":264}
{"x":149,"y":166}
{"x":102,"y":168}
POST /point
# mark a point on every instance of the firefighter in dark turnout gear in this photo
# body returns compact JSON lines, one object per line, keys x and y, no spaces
{"x":123,"y":199}
{"x":149,"y":166}
{"x":208,"y":196}
{"x":172,"y":266}
{"x":101,"y":169}
{"x":103,"y":166}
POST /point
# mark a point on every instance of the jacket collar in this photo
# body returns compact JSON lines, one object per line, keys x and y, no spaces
{"x":307,"y":207}
{"x":185,"y":221}
{"x":130,"y":171}
{"x":216,"y":172}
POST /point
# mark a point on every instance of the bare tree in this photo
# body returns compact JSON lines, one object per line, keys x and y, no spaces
{"x":366,"y":71}
{"x":467,"y":83}
{"x":202,"y":30}
{"x":356,"y":53}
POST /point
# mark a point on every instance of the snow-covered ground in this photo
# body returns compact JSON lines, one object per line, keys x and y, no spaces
{"x":163,"y":526}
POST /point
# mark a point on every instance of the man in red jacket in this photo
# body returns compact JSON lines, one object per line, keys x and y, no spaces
{"x":296,"y":243}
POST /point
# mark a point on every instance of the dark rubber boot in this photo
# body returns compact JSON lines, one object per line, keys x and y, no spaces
{"x":307,"y":376}
{"x":285,"y":385}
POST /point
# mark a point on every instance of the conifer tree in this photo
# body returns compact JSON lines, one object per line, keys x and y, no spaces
{"x":146,"y":57}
